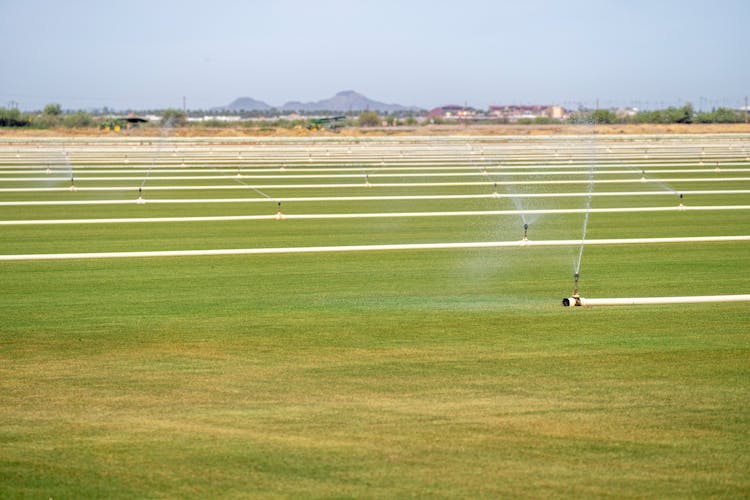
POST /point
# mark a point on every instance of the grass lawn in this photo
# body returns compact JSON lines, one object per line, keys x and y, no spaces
{"x":441,"y":373}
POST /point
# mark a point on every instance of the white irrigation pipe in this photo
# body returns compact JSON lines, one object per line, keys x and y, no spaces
{"x":377,"y":215}
{"x":375,"y":175}
{"x":370,"y":248}
{"x":516,"y":170}
{"x":694,"y":299}
{"x":380,"y":185}
{"x":366,"y":198}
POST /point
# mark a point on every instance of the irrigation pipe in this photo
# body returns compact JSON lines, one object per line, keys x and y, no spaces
{"x":369,"y":248}
{"x":375,"y":215}
{"x":371,"y":198}
{"x":632,"y":301}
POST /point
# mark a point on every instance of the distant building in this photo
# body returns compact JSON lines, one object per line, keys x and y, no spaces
{"x":452,"y":112}
{"x":217,"y":118}
{"x":626,"y":112}
{"x":513,"y":113}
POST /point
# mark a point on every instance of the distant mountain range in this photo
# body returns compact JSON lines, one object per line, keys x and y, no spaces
{"x":344,"y":101}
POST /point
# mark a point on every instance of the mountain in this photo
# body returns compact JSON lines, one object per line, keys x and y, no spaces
{"x":245,"y":104}
{"x":343,"y":102}
{"x":347,"y":100}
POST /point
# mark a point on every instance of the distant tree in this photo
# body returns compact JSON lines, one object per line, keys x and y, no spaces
{"x":52,"y":109}
{"x":50,"y":117}
{"x":368,"y":119}
{"x":173,"y":118}
{"x":720,"y":115}
{"x":13,"y":118}
{"x":78,"y":120}
{"x":410,"y":121}
{"x":603,"y":116}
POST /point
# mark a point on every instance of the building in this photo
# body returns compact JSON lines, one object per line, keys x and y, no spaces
{"x":513,"y":113}
{"x":453,"y":112}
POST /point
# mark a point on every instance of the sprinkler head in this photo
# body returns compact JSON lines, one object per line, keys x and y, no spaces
{"x":525,"y":232}
{"x":574,"y":299}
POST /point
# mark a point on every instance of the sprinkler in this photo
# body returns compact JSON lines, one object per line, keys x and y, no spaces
{"x":495,"y":192}
{"x":279,"y":215}
{"x":140,"y":199}
{"x":525,"y":232}
{"x":574,"y":299}
{"x":367,"y":181}
{"x":643,"y":176}
{"x":238,"y":173}
{"x":681,"y":204}
{"x":72,"y":184}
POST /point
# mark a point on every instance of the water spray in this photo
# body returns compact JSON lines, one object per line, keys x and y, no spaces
{"x":575,"y":298}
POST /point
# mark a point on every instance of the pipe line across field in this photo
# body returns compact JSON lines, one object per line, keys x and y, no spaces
{"x":375,"y":215}
{"x":370,"y":198}
{"x":381,"y":185}
{"x":691,"y":299}
{"x":369,"y":248}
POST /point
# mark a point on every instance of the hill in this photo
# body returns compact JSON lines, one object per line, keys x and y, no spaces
{"x":245,"y":104}
{"x":344,"y":101}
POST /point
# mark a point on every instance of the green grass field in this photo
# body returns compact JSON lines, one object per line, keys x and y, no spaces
{"x":435,"y":373}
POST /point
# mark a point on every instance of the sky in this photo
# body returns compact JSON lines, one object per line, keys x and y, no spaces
{"x":138,"y":54}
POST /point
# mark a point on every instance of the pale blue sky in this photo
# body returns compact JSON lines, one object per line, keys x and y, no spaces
{"x":149,"y":54}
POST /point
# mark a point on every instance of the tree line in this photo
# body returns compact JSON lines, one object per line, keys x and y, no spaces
{"x":684,"y":114}
{"x":52,"y":116}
